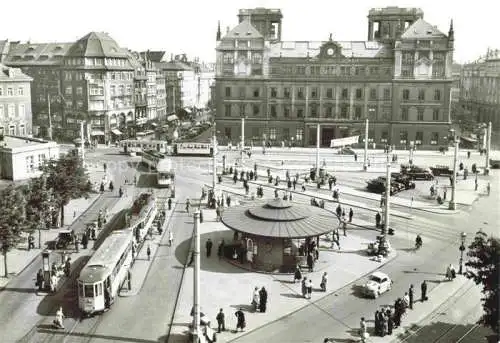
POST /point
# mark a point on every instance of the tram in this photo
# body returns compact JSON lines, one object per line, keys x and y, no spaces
{"x":137,"y":146}
{"x":100,"y":280}
{"x":152,"y":158}
{"x":166,"y":175}
{"x":193,"y":149}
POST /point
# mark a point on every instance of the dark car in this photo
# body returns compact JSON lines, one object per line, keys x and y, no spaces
{"x":378,"y":186}
{"x":63,"y":239}
{"x":416,"y":173}
{"x":399,"y":186}
{"x":441,"y":170}
{"x":404,"y":179}
{"x":346,"y":151}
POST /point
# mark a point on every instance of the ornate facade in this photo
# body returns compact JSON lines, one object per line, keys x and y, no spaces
{"x":400,"y":79}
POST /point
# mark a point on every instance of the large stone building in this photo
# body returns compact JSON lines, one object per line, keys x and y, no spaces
{"x":15,"y":102}
{"x":480,"y":89}
{"x":400,"y":79}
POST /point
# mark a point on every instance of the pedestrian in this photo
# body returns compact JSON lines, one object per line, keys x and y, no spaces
{"x":410,"y":297}
{"x":378,"y":218}
{"x":148,"y":251}
{"x":263,"y":299}
{"x":344,"y":226}
{"x":338,"y":211}
{"x":309,"y":286}
{"x":304,"y":287}
{"x":208,"y":246}
{"x":221,"y":324}
{"x":169,"y":202}
{"x":488,"y":188}
{"x":324,"y":280}
{"x":406,"y":300}
{"x":444,"y":194}
{"x":39,"y":279}
{"x":423,"y":289}
{"x":362,"y":330}
{"x":297,"y":276}
{"x":390,"y":322}
{"x":170,"y":238}
{"x":255,"y":299}
{"x":220,"y":249}
{"x":240,"y":320}
{"x":351,"y":214}
{"x":310,"y":262}
{"x":85,"y":240}
{"x":384,"y":320}
{"x":377,"y":324}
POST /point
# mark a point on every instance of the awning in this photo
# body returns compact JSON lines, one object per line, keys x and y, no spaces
{"x":116,"y":132}
{"x":97,"y":133}
{"x":172,"y":117}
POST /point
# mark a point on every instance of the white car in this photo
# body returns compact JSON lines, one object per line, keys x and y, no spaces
{"x":377,"y":284}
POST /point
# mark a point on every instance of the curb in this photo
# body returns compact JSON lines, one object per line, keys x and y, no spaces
{"x":30,"y":262}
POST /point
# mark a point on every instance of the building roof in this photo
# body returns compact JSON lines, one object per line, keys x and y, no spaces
{"x":37,"y":53}
{"x":12,"y":142}
{"x":243,"y":30}
{"x":303,"y":49}
{"x":97,"y":44}
{"x":279,"y":219}
{"x":422,"y":29}
{"x":395,"y":10}
{"x":12,"y":74}
{"x":174,"y":65}
{"x":154,"y":56}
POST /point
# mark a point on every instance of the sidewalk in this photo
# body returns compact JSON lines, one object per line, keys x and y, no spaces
{"x":230,"y":287}
{"x":141,"y":264}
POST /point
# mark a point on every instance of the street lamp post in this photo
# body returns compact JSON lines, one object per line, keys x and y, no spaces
{"x":242,"y":136}
{"x":365,"y":161}
{"x":387,"y":194}
{"x":488,"y":147}
{"x":452,"y":204}
{"x":317,"y":150}
{"x":214,"y":160}
{"x":463,"y":235}
{"x":196,"y":280}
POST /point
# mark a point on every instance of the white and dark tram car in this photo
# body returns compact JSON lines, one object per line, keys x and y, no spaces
{"x":101,"y":278}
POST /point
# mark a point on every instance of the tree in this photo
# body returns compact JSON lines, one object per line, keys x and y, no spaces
{"x":12,"y":220}
{"x":483,"y":259}
{"x":40,"y":205}
{"x":68,"y":179}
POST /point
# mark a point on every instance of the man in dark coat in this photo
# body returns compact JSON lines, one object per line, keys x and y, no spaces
{"x":310,"y":262}
{"x":221,"y":323}
{"x":390,"y":322}
{"x":263,"y":299}
{"x":351,"y":214}
{"x":423,"y":288}
{"x":240,"y":320}
{"x":410,"y":295}
{"x":339,"y":211}
{"x":220,"y":250}
{"x":208,"y":246}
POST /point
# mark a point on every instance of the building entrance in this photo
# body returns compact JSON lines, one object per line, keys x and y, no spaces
{"x":327,"y":134}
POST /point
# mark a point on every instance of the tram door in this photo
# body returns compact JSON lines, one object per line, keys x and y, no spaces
{"x":98,"y":296}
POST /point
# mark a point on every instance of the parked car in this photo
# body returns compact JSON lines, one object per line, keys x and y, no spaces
{"x":441,"y":170}
{"x":377,"y":284}
{"x":404,"y":179}
{"x":417,"y":173}
{"x":63,"y":239}
{"x":378,"y":186}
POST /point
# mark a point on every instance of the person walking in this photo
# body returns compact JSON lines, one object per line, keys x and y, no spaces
{"x":240,"y":320}
{"x":423,"y":289}
{"x":304,"y":287}
{"x":170,"y":238}
{"x":148,"y":252}
{"x":255,"y":299}
{"x":362,"y":330}
{"x":309,"y":288}
{"x":410,"y":297}
{"x":324,"y":280}
{"x":297,"y":276}
{"x":220,"y":249}
{"x":310,"y":262}
{"x":351,"y":214}
{"x":263,"y":299}
{"x":208,"y":246}
{"x":221,"y":323}
{"x":390,"y":322}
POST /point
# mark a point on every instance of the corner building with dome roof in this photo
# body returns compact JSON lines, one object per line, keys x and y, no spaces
{"x":400,"y":78}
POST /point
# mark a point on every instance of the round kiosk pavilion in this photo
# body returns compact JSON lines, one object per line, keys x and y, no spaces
{"x":275,"y":235}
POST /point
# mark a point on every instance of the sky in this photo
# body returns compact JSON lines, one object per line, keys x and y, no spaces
{"x":189,"y":26}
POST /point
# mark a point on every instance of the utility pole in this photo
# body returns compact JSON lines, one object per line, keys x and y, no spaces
{"x":387,"y":194}
{"x":242,"y":137}
{"x":488,"y":147}
{"x":317,"y":150}
{"x":365,"y":162}
{"x":452,"y":205}
{"x":50,"y":116}
{"x":196,"y":281}
{"x":82,"y":137}
{"x":214,"y":160}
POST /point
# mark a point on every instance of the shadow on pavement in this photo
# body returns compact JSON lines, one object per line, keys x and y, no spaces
{"x":244,"y":307}
{"x":90,"y":337}
{"x":213,"y":263}
{"x":447,"y":332}
{"x":357,"y":291}
{"x":292,"y":295}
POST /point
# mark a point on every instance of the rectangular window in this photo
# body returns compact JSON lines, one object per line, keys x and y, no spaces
{"x":286,"y":93}
{"x":286,"y":111}
{"x":241,"y":92}
{"x":384,"y":137}
{"x":113,"y":90}
{"x":242,"y":110}
{"x":403,"y":137}
{"x":357,"y":112}
{"x":272,"y":133}
{"x":256,"y":92}
{"x":272,"y":111}
{"x":227,"y":132}
{"x":344,"y":111}
{"x":20,"y":91}
{"x":11,"y":110}
{"x":300,"y":93}
{"x":406,"y":94}
{"x":421,"y":94}
{"x":387,"y":94}
{"x":256,"y":110}
{"x":434,"y":138}
{"x":329,"y":111}
{"x":299,"y":134}
{"x":373,"y":94}
{"x":228,"y":92}
{"x":314,"y":70}
{"x":227,"y":110}
{"x":372,"y":112}
{"x":419,"y":137}
{"x":301,"y":70}
{"x":437,"y":95}
{"x":329,"y":93}
{"x":274,"y":92}
{"x":22,"y":110}
{"x":300,"y":112}
{"x":345,"y":93}
{"x":359,"y":94}
{"x":420,"y":114}
{"x":79,"y":91}
{"x":404,"y":113}
{"x":12,"y":130}
{"x":313,"y":109}
{"x":10,"y":92}
{"x":435,"y":114}
{"x":286,"y":133}
{"x":314,"y":93}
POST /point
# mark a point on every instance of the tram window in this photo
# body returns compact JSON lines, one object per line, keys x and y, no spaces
{"x":80,"y":289}
{"x":89,"y":291}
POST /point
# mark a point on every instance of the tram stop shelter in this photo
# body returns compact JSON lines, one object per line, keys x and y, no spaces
{"x":275,"y":235}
